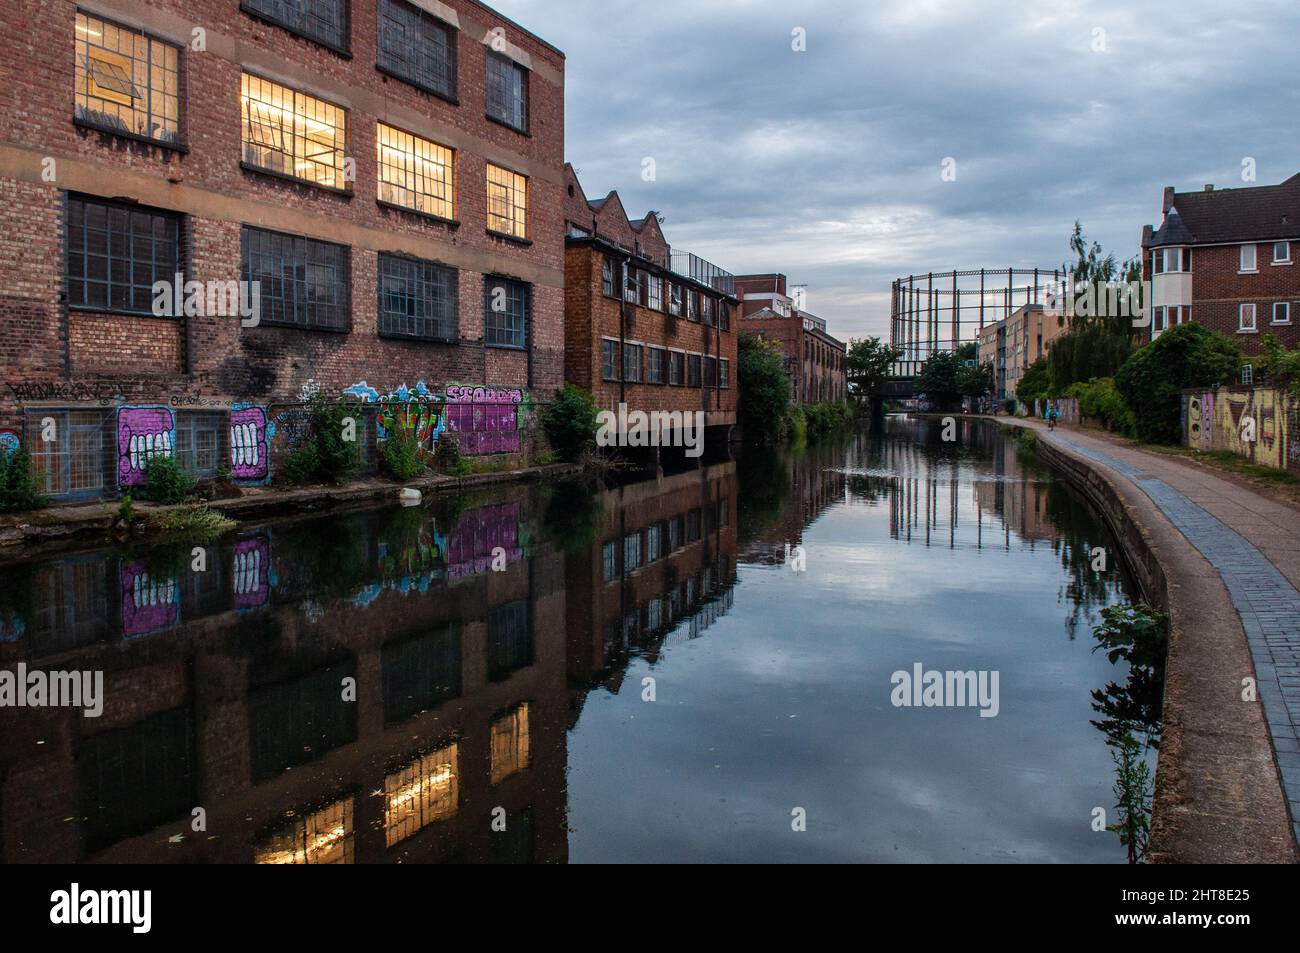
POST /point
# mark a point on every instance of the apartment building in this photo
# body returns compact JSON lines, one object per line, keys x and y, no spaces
{"x":646,"y":326}
{"x":1227,"y":259}
{"x":213,"y":208}
{"x":814,"y":359}
{"x":1030,"y":331}
{"x":993,"y":350}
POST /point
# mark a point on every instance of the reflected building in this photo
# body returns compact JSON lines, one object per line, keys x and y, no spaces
{"x":801,"y":485}
{"x":363,"y":688}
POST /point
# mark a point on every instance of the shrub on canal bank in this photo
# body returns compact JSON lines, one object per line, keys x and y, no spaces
{"x":824,"y":419}
{"x":1101,"y":400}
{"x":570,"y":423}
{"x":18,"y":490}
{"x":197,"y":524}
{"x":1153,"y":379}
{"x":401,"y":456}
{"x":764,"y":389}
{"x":166,"y":482}
{"x":327,"y":455}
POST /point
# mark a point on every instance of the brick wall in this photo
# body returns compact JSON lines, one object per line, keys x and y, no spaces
{"x":1218,"y":291}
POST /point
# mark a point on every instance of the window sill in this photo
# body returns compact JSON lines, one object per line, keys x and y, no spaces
{"x":291,"y":326}
{"x":414,"y":338}
{"x":513,"y":239}
{"x":1252,"y":271}
{"x":284,"y":177}
{"x":1247,"y":330}
{"x":506,"y":347}
{"x":1280,"y":324}
{"x":513,"y":128}
{"x":393,"y":74}
{"x":1287,"y":262}
{"x":179,"y":147}
{"x":121,"y":312}
{"x":452,"y":223}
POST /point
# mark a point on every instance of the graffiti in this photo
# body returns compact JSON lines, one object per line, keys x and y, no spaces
{"x":9,"y":442}
{"x":1255,"y":423}
{"x":250,"y":440}
{"x":486,"y":419}
{"x":478,"y":533}
{"x":143,"y":434}
{"x":148,"y":604}
{"x":252,"y":572}
{"x":362,"y":392}
{"x":416,"y":411}
{"x":63,"y":390}
{"x":290,"y":429}
{"x":309,"y":390}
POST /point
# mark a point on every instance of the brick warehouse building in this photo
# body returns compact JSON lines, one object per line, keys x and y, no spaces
{"x":1227,"y":259}
{"x":814,"y":359}
{"x":644,"y":325}
{"x":389,"y":172}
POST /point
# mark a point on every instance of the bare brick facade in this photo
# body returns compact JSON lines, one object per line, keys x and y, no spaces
{"x":814,"y":359}
{"x":64,"y":170}
{"x":638,"y":332}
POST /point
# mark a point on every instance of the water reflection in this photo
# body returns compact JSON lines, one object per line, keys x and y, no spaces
{"x":467,"y":681}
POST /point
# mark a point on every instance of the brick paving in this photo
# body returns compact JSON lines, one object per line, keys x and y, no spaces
{"x":1263,"y":595}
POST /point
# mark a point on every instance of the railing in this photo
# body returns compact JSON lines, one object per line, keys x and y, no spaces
{"x":705,"y":272}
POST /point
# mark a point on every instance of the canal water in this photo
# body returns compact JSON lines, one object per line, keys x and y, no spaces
{"x":699,"y":667}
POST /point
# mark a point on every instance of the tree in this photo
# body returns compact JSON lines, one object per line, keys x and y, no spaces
{"x":867,"y":365}
{"x":938,"y":380}
{"x":1153,"y":379}
{"x":570,"y":423}
{"x":1036,"y":382}
{"x":975,"y":381}
{"x":764,"y":387}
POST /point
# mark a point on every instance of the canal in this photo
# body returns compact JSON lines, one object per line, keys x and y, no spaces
{"x":695,"y":668}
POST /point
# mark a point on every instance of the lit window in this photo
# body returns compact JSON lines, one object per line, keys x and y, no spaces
{"x":507,"y":194}
{"x":1246,"y":320}
{"x":325,"y":21}
{"x":1247,"y":257}
{"x":506,"y":312}
{"x":416,"y":173}
{"x":417,"y":47}
{"x":422,"y":792}
{"x":127,"y":81}
{"x":417,"y":299}
{"x":321,"y":837}
{"x":291,"y":133}
{"x":509,"y":743}
{"x":1281,"y":253}
{"x":1282,"y":312}
{"x":116,"y":252}
{"x":507,"y":91}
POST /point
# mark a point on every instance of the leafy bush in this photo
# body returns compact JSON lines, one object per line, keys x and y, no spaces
{"x":18,"y":489}
{"x":1153,"y":379}
{"x":1036,"y":382}
{"x":165,"y":481}
{"x":327,"y":456}
{"x":1278,"y":366}
{"x":939,"y":380}
{"x":570,"y":423}
{"x":827,"y":418}
{"x":197,"y":524}
{"x":400,"y":456}
{"x":1100,"y":399}
{"x":764,"y":388}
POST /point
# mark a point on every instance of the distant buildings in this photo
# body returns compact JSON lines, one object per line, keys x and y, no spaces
{"x":1227,"y":259}
{"x":813,"y":358}
{"x":1017,"y":341}
{"x":644,"y":326}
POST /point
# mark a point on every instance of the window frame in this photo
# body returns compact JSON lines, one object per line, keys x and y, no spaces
{"x":526,"y":289}
{"x":637,"y":351}
{"x":1286,"y":306}
{"x":344,"y":49}
{"x":526,"y":83}
{"x":514,"y":188}
{"x":1242,"y":327}
{"x":245,"y":124}
{"x":452,"y":167}
{"x":423,"y":18}
{"x":1254,"y":260}
{"x":654,"y":364}
{"x":607,"y":280}
{"x":610,"y":365}
{"x":694,"y":370}
{"x":420,"y":267}
{"x":177,"y":223}
{"x":724,"y":373}
{"x":1282,"y":261}
{"x":678,"y":365}
{"x":343,"y":266}
{"x":84,"y":122}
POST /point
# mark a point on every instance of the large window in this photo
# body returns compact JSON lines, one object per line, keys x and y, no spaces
{"x":417,"y":299}
{"x":507,"y":194}
{"x":656,"y":292}
{"x":607,"y":276}
{"x":710,"y":372}
{"x":116,"y":252}
{"x":506,"y":318}
{"x":303,"y":282}
{"x":199,"y":442}
{"x":654,"y":368}
{"x":675,"y":368}
{"x":417,"y":47}
{"x":609,"y":360}
{"x":632,"y":286}
{"x":325,"y":21}
{"x":507,"y":91}
{"x":1247,"y":257}
{"x":632,"y":362}
{"x":674,"y":299}
{"x":127,"y":81}
{"x":724,"y":373}
{"x":290,"y":133}
{"x":692,"y":370}
{"x":416,"y":173}
{"x":73,"y":463}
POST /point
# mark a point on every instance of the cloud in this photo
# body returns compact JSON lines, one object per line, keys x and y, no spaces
{"x":825,"y":164}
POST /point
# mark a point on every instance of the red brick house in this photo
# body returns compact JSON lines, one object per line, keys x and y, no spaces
{"x":645,"y":326}
{"x":1228,"y":259}
{"x":814,"y":359}
{"x":388,"y":173}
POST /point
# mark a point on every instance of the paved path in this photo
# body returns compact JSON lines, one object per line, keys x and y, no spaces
{"x":1253,"y":543}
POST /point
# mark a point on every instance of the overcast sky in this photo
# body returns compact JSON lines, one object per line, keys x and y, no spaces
{"x":826,"y":164}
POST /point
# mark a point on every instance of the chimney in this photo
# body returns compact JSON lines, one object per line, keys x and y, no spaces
{"x":1169,"y":198}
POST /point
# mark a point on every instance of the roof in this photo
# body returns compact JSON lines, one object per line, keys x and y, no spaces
{"x":1221,"y":216}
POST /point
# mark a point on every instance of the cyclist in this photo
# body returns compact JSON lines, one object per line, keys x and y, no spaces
{"x":1051,"y":418}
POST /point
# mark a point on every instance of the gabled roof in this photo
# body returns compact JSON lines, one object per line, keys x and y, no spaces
{"x":1220,"y":216}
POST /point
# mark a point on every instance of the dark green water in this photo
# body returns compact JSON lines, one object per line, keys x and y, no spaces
{"x":550,"y":674}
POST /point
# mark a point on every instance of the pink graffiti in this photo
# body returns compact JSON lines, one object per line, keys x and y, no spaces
{"x":252,"y":568}
{"x":149,"y":604}
{"x":143,"y":434}
{"x":477,"y":534}
{"x":250,"y":458}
